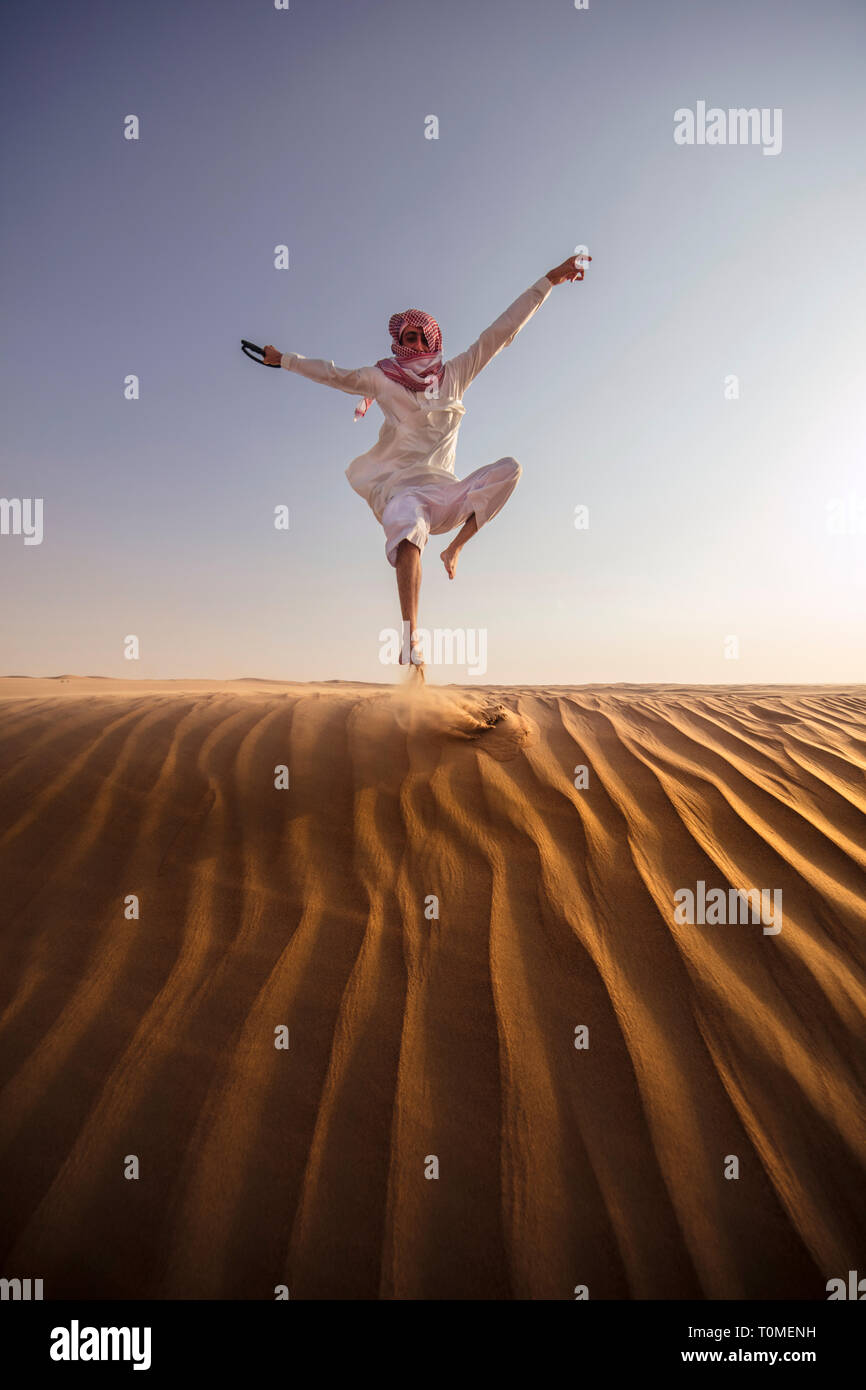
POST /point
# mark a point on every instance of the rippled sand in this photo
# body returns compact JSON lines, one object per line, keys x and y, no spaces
{"x":412,"y":1035}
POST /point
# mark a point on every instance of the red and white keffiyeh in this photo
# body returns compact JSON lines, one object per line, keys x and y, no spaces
{"x":411,"y":367}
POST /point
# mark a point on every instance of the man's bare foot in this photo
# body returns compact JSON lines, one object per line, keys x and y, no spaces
{"x":449,"y":560}
{"x":414,"y":657}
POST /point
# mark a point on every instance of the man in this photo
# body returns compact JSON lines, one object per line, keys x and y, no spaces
{"x":407,"y":477}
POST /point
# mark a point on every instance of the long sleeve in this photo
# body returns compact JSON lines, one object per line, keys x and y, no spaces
{"x":468,"y":364}
{"x":358,"y":381}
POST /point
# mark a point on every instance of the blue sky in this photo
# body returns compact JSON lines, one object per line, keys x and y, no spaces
{"x":305,"y":127}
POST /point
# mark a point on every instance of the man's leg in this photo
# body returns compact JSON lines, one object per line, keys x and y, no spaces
{"x":487,"y":491}
{"x":450,"y":553}
{"x":408,"y":569}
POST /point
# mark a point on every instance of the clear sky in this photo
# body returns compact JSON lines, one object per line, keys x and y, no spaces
{"x":709,"y":518}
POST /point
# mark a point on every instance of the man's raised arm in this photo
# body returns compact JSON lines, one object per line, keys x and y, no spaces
{"x":468,"y":364}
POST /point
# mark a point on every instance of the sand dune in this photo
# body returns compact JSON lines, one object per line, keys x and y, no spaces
{"x":412,"y":1035}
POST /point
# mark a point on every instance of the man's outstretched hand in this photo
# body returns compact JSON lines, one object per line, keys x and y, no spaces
{"x":572,"y":269}
{"x":271,"y":356}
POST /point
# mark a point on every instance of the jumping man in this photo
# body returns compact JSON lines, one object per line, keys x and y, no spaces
{"x":407,"y":478}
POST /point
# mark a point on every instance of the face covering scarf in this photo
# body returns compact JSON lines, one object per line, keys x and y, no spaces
{"x":411,"y":367}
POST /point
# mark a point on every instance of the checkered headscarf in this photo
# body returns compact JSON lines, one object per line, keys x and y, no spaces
{"x":410,"y":367}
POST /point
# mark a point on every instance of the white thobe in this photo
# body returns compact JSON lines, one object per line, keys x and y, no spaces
{"x":417,"y":442}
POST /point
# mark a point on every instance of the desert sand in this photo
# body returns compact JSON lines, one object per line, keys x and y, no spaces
{"x":413,"y":1036}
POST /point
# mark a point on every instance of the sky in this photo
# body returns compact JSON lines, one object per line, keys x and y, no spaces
{"x":700,"y":393}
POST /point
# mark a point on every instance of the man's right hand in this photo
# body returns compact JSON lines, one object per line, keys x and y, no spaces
{"x":572,"y":269}
{"x":271,"y":356}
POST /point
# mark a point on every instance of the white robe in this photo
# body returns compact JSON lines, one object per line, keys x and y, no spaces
{"x":428,"y":509}
{"x":418,"y":439}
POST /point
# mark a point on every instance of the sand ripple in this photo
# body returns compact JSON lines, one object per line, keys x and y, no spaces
{"x":413,"y":1034}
